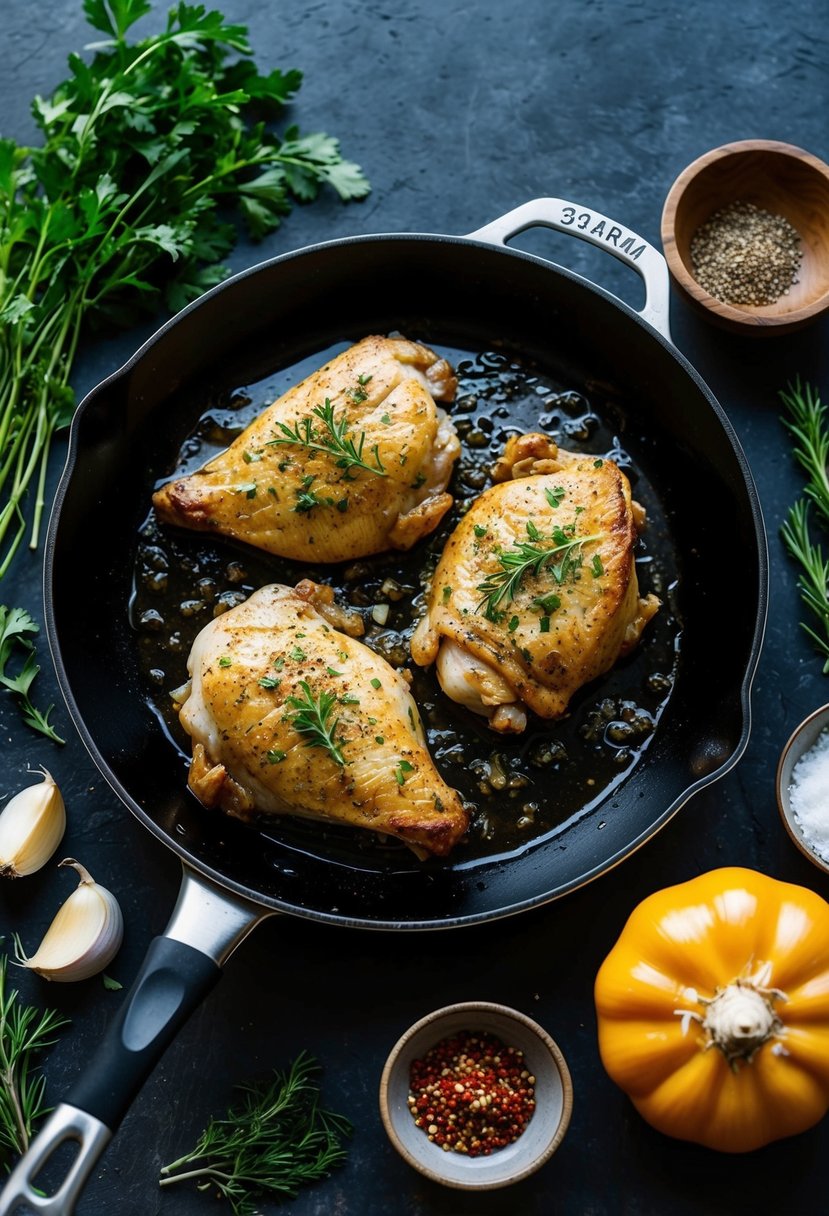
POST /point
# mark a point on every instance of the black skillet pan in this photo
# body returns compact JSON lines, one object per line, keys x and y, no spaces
{"x":469,"y":293}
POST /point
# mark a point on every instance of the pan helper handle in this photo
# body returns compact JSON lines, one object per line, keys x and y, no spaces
{"x":589,"y":225}
{"x":178,"y":972}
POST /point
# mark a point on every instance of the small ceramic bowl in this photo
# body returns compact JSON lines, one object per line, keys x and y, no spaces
{"x":802,"y":739}
{"x":541,"y":1137}
{"x":776,"y":177}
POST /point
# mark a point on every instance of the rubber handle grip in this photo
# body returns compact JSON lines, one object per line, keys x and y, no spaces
{"x":172,"y":982}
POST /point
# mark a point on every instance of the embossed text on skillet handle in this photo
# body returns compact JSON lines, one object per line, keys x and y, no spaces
{"x":598,"y":229}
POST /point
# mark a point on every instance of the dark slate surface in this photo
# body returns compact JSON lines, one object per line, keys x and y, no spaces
{"x":459,"y":112}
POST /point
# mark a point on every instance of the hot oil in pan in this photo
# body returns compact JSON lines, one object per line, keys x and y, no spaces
{"x":521,"y":788}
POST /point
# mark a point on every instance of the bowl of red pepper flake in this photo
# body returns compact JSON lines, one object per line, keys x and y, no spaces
{"x":476,"y":1096}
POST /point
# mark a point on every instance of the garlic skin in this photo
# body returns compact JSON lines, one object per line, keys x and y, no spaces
{"x":32,"y":824}
{"x":85,"y":935}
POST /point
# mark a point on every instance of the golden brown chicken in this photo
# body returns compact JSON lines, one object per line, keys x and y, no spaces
{"x":536,"y":593}
{"x":352,"y":461}
{"x":289,"y":716}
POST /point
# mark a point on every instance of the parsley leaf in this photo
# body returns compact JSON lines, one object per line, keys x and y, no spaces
{"x":15,"y":626}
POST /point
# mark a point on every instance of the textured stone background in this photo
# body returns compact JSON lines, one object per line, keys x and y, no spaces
{"x":458,"y":112}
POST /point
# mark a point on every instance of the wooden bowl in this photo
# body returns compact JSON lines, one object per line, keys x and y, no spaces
{"x":544,"y":1132}
{"x":777,"y":177}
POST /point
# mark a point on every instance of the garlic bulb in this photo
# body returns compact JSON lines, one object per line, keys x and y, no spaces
{"x":31,"y":827}
{"x":85,"y":935}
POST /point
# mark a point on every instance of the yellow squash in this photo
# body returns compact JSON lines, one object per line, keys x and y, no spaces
{"x":713,"y":1009}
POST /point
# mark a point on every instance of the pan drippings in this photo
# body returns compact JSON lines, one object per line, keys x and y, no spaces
{"x":521,"y":787}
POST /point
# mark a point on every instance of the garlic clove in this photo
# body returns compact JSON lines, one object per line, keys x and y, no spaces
{"x":85,"y":935}
{"x":31,"y":827}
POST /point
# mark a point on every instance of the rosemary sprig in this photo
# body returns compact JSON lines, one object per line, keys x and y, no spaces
{"x":807,"y":422}
{"x":24,"y":1031}
{"x":528,"y":556}
{"x":813,"y":580}
{"x":334,"y":440}
{"x":312,"y":718}
{"x":276,"y":1141}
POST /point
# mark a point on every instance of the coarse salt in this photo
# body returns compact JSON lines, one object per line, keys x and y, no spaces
{"x":809,"y":795}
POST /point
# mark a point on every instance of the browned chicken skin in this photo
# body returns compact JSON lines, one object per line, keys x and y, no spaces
{"x":253,"y":668}
{"x":510,"y":628}
{"x":297,"y":499}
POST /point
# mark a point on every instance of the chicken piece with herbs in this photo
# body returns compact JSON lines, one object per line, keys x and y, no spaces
{"x":352,"y":461}
{"x":536,"y":592}
{"x":290,"y":716}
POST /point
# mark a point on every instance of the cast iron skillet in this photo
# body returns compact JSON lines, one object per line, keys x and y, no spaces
{"x":468,"y":292}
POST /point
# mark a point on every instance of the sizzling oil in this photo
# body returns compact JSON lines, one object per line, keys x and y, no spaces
{"x":519,"y":787}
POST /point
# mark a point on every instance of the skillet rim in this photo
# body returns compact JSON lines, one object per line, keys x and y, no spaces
{"x":274,"y":904}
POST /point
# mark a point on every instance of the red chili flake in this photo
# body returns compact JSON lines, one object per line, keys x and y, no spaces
{"x":471,"y":1094}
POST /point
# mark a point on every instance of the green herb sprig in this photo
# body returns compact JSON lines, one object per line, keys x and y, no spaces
{"x":276,"y":1141}
{"x":808,"y":424}
{"x":24,"y":1031}
{"x":312,"y":717}
{"x":530,"y":556}
{"x":143,"y":144}
{"x":336,"y":442}
{"x":15,"y":626}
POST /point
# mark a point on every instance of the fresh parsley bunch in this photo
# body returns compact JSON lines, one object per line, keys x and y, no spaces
{"x":127,"y":204}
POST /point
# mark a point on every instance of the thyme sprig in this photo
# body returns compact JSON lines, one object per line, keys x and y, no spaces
{"x":531,"y":556}
{"x":312,"y":717}
{"x":24,"y":1031}
{"x":807,"y":422}
{"x":276,"y":1141}
{"x":334,"y":440}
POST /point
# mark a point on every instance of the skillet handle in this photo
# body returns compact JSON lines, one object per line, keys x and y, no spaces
{"x":181,"y":967}
{"x":592,"y":226}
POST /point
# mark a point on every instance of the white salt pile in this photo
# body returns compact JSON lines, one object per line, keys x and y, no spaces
{"x":809,"y":795}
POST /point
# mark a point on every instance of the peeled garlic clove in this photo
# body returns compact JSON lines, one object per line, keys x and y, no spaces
{"x":31,"y":827}
{"x":85,"y":935}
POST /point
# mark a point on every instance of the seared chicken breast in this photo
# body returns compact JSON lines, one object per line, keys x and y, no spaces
{"x":536,"y":592}
{"x":352,"y":461}
{"x":290,"y":716}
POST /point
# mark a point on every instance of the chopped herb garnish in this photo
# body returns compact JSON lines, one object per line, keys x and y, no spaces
{"x":279,"y":664}
{"x":307,"y":499}
{"x":342,"y":505}
{"x":224,"y":661}
{"x":311,"y":717}
{"x":418,"y":481}
{"x":365,"y":378}
{"x":332,"y":671}
{"x":251,"y":457}
{"x":379,"y":739}
{"x":336,"y":442}
{"x":372,"y":721}
{"x":596,"y":566}
{"x":479,"y":530}
{"x":248,"y":489}
{"x":597,"y":464}
{"x":297,"y":654}
{"x":547,"y":603}
{"x":270,"y":682}
{"x":544,"y":624}
{"x":447,"y":594}
{"x":555,"y":496}
{"x":348,"y":698}
{"x":276,"y":756}
{"x":375,"y":683}
{"x":343,"y":656}
{"x":358,"y":396}
{"x":386,"y":420}
{"x":513,"y":624}
{"x":402,"y":769}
